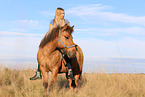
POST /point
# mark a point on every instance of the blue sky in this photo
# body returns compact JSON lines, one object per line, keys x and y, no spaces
{"x":103,"y":28}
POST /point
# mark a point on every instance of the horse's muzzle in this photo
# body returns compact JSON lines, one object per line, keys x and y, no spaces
{"x":71,"y":54}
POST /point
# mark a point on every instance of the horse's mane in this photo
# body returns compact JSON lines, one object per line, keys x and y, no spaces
{"x":50,"y":36}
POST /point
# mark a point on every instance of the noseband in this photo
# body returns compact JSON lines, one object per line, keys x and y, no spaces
{"x":63,"y":43}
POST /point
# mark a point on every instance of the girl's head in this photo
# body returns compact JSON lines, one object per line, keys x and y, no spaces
{"x":60,"y":12}
{"x":59,"y":16}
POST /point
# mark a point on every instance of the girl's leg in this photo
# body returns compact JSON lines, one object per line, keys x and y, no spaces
{"x":37,"y":75}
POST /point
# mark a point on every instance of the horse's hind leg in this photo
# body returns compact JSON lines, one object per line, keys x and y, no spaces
{"x":76,"y":81}
{"x":70,"y":84}
{"x":81,"y":80}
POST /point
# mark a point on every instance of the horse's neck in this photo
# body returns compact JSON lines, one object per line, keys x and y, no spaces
{"x":51,"y":46}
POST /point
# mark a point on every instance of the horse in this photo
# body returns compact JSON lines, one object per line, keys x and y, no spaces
{"x":51,"y":59}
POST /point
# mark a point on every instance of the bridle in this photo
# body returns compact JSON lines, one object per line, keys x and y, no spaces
{"x":63,"y":43}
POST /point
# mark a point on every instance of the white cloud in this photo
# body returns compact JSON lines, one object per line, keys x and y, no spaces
{"x":97,"y":12}
{"x":123,"y":18}
{"x":139,"y":31}
{"x":19,"y":47}
{"x":24,"y":25}
{"x":133,"y":44}
{"x":95,"y":47}
{"x":136,"y":30}
{"x":20,"y":34}
{"x":31,"y":23}
{"x":47,"y":13}
{"x":128,"y":48}
{"x":87,"y":9}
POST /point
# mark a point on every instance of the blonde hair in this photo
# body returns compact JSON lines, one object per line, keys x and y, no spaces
{"x":57,"y":18}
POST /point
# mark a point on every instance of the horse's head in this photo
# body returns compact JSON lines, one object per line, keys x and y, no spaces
{"x":65,"y":41}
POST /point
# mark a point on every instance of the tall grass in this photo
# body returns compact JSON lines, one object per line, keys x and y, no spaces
{"x":16,"y":83}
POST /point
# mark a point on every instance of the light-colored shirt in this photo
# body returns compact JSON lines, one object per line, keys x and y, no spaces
{"x":66,"y":21}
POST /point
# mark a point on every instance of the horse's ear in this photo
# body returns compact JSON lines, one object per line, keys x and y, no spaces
{"x":72,"y":26}
{"x":64,"y":27}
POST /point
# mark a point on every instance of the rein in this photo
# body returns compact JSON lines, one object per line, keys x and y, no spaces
{"x":63,"y":43}
{"x":62,"y":56}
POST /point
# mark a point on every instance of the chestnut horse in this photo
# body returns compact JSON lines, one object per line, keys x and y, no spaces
{"x":50,"y":59}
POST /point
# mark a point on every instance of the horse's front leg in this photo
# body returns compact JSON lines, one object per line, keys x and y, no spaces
{"x":54,"y":77}
{"x":45,"y":79}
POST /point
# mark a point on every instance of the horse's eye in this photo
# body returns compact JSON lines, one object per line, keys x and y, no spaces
{"x":66,"y":37}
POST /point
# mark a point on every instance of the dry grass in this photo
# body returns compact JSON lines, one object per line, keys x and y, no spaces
{"x":16,"y":83}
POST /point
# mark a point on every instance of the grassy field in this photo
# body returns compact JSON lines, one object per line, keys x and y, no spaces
{"x":16,"y":83}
